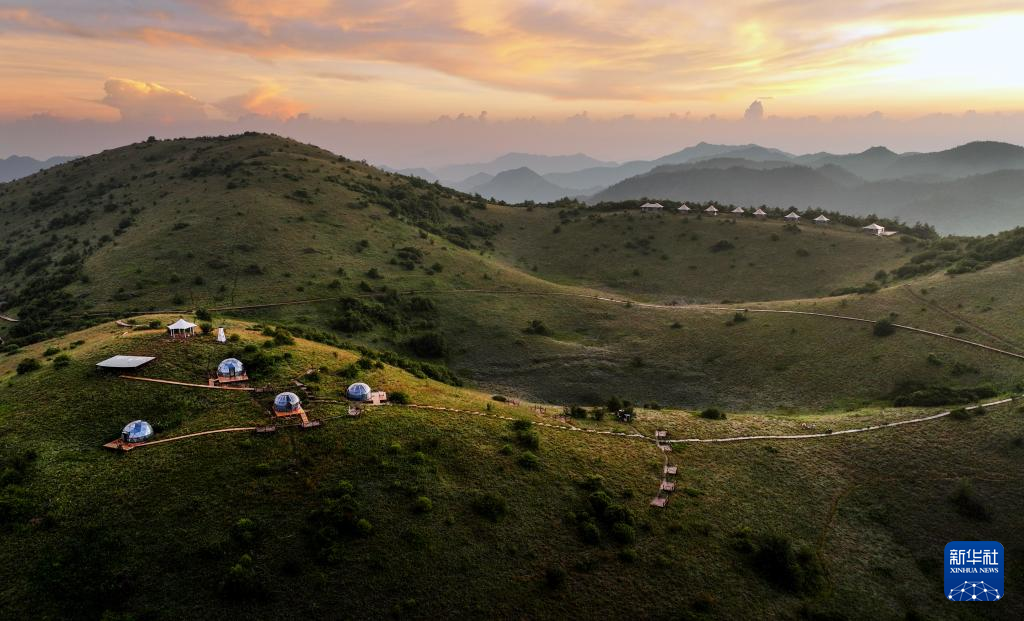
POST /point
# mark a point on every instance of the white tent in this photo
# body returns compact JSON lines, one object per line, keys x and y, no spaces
{"x":711,"y":211}
{"x":221,"y":337}
{"x":651,"y":207}
{"x":874,"y":229}
{"x":181,"y":328}
{"x":684,"y":208}
{"x":760,"y":213}
{"x":792,"y":216}
{"x":739,"y":211}
{"x":821,"y":219}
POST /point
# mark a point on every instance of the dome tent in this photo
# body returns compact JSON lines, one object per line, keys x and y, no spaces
{"x":137,"y":431}
{"x":287,"y":402}
{"x":230,"y":367}
{"x":358,"y":392}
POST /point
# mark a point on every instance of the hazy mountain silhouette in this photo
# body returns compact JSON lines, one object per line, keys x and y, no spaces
{"x":879,"y":163}
{"x":978,"y":204}
{"x":541,"y":164}
{"x":17,"y":166}
{"x":521,"y":184}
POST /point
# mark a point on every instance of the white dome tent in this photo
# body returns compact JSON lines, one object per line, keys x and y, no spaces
{"x":137,"y":431}
{"x":230,"y":368}
{"x":287,"y":403}
{"x":358,"y":392}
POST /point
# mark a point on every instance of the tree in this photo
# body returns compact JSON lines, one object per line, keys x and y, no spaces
{"x":883,"y":327}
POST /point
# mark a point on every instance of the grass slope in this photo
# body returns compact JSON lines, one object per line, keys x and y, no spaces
{"x":237,"y":522}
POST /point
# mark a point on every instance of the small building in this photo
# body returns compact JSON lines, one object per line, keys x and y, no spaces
{"x":821,"y":219}
{"x":760,"y":213}
{"x":378,"y":397}
{"x":358,"y":392}
{"x":181,"y":329}
{"x":221,"y":337}
{"x":231,"y":370}
{"x":792,"y":216}
{"x":136,"y":431}
{"x":684,"y":208}
{"x":652,"y":207}
{"x":121,"y":363}
{"x":874,"y":229}
{"x":711,"y":211}
{"x":288,"y":404}
{"x":739,"y":211}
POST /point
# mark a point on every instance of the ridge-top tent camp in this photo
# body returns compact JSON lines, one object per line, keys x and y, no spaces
{"x":181,"y":329}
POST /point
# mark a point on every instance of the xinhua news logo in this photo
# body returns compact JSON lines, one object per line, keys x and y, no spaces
{"x":974,"y":571}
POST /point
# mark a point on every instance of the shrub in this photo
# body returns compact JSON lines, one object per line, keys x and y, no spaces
{"x":883,"y":327}
{"x":537,"y":327}
{"x":628,"y":555}
{"x":499,"y":398}
{"x":623,"y":532}
{"x":722,"y":245}
{"x":712,"y":414}
{"x":429,"y":345}
{"x":423,"y":505}
{"x":506,"y":449}
{"x":203,"y":315}
{"x":785,"y":566}
{"x":398,"y":397}
{"x":490,"y":505}
{"x":241,"y":580}
{"x":206,"y":327}
{"x":529,"y":461}
{"x":244,"y":531}
{"x":522,"y":424}
{"x":51,"y":351}
{"x":27,"y":365}
{"x":528,"y":438}
{"x":554,"y":577}
{"x":364,"y":527}
{"x":967,"y":503}
{"x":590,"y":532}
{"x":61,"y":361}
{"x":960,"y":414}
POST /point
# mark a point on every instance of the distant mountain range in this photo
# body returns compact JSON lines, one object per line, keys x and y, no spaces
{"x":17,"y":166}
{"x":975,"y":188}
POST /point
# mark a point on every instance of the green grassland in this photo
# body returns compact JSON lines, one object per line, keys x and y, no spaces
{"x":692,"y":259}
{"x":264,"y":526}
{"x":258,"y":219}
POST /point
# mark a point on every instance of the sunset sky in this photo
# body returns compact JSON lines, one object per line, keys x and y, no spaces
{"x":167,"y":62}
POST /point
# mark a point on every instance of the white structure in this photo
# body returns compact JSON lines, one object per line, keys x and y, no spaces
{"x":684,"y":208}
{"x":760,"y":213}
{"x":125,"y":362}
{"x":739,"y":211}
{"x":221,"y":337}
{"x":652,"y":207}
{"x":792,"y":216}
{"x":874,"y":229}
{"x":821,"y":219}
{"x":711,"y":211}
{"x":181,"y":328}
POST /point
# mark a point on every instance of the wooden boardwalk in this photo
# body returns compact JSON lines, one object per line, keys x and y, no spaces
{"x":187,"y":384}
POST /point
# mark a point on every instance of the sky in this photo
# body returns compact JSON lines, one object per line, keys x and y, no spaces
{"x":428,"y":82}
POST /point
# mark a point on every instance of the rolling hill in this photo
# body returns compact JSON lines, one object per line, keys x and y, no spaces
{"x":519,"y":185}
{"x":421,"y":513}
{"x":17,"y":166}
{"x":394,"y":263}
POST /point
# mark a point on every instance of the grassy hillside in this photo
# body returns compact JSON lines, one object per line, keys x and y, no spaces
{"x":687,"y":258}
{"x":257,"y":219}
{"x":328,"y":523}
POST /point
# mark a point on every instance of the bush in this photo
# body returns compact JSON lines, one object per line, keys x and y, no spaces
{"x":786,"y":567}
{"x":967,"y":503}
{"x":528,"y":438}
{"x":883,"y":327}
{"x":27,"y":365}
{"x":51,"y":351}
{"x":554,"y":577}
{"x":529,"y":461}
{"x":423,"y":505}
{"x":206,"y":327}
{"x":244,"y":531}
{"x":429,"y":345}
{"x":960,"y":414}
{"x":722,"y":245}
{"x":522,"y":424}
{"x":241,"y":580}
{"x":537,"y":327}
{"x":61,"y":361}
{"x":712,"y":414}
{"x":364,"y":527}
{"x":490,"y":505}
{"x":398,"y":397}
{"x":623,"y":532}
{"x":203,"y":315}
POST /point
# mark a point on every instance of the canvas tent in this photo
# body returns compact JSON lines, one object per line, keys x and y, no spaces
{"x":760,"y":213}
{"x":874,"y":229}
{"x":181,"y":328}
{"x":792,"y":216}
{"x":651,"y":207}
{"x":739,"y":211}
{"x":684,"y":208}
{"x":821,"y":219}
{"x":711,"y":211}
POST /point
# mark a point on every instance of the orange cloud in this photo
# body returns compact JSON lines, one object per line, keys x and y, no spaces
{"x":265,"y":100}
{"x":148,"y":101}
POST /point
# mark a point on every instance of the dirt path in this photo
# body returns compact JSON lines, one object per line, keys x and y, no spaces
{"x":6,"y":318}
{"x":173,"y":383}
